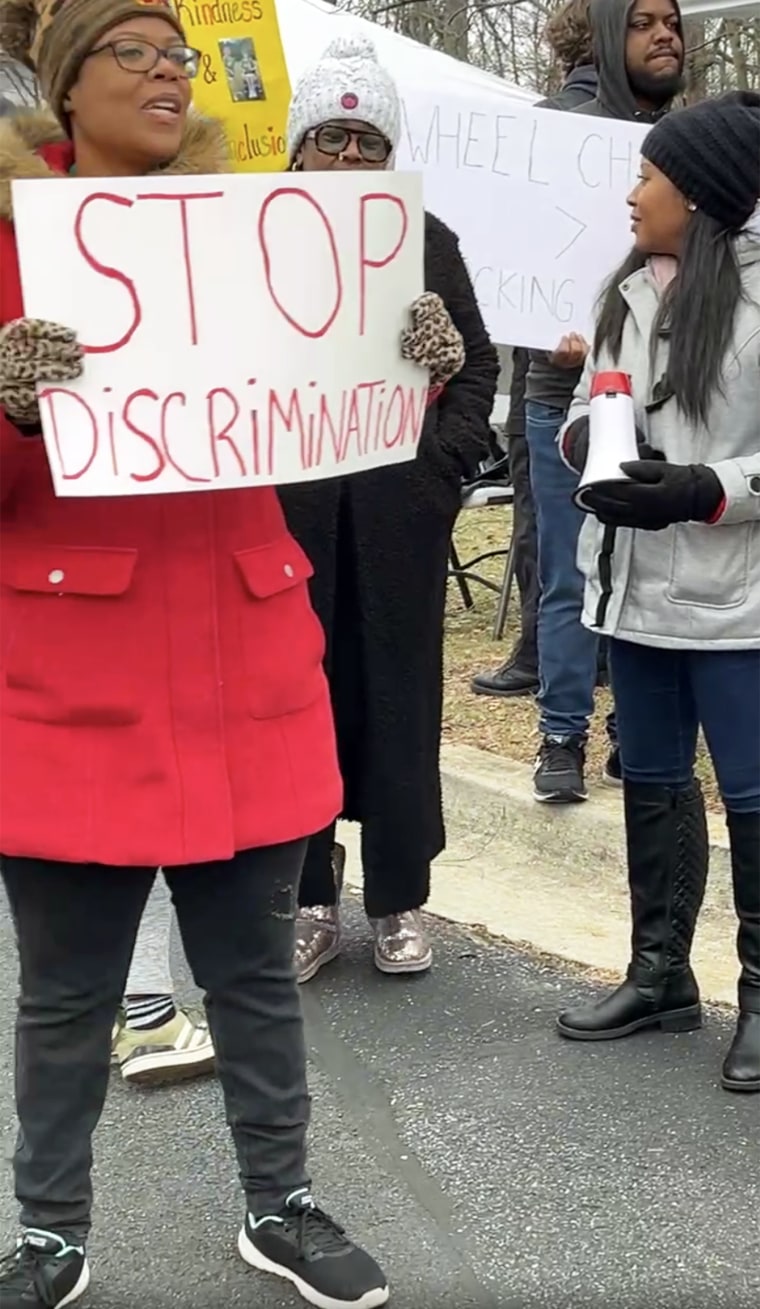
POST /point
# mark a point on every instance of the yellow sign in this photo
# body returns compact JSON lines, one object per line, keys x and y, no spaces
{"x":243,"y":79}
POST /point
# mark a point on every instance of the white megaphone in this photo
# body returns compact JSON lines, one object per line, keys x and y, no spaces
{"x":611,"y":434}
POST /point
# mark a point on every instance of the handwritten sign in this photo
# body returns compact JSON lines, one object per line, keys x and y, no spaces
{"x":243,"y":79}
{"x":238,"y":330}
{"x":537,"y":198}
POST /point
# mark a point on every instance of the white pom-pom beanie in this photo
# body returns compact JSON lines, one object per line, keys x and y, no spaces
{"x":348,"y":82}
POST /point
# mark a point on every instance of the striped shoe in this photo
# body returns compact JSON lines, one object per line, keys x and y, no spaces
{"x":174,"y":1052}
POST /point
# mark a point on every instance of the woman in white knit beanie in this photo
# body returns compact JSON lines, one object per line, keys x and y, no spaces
{"x":379,"y":543}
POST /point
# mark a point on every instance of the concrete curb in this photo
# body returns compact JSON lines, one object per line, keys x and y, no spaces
{"x":490,"y":793}
{"x":554,"y":879}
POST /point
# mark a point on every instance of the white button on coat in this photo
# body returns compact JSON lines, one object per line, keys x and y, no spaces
{"x":56,"y":576}
{"x":289,"y":570}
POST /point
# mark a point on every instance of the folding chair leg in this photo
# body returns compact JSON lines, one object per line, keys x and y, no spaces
{"x":456,"y":568}
{"x":500,"y":619}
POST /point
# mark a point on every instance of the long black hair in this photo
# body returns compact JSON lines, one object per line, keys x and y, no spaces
{"x":697,"y":312}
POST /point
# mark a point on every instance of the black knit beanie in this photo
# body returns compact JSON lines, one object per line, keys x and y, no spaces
{"x":711,"y":153}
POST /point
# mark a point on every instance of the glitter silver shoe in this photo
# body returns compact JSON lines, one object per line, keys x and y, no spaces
{"x":318,"y":937}
{"x":401,"y":944}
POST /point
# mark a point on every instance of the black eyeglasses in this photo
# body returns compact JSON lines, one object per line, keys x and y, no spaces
{"x":332,"y":139}
{"x":136,"y":56}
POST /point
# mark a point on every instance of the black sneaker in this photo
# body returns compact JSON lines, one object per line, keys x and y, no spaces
{"x":558,"y":772}
{"x":612,"y":773}
{"x":303,"y":1245}
{"x":43,"y":1272}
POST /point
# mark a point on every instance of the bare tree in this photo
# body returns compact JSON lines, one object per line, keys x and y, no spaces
{"x":505,"y":37}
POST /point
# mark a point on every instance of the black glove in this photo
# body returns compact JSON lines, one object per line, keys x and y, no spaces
{"x":575,"y":444}
{"x":658,"y":495}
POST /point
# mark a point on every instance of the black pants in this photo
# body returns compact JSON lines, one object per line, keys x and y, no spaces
{"x":76,"y":926}
{"x":663,"y":697}
{"x":389,"y":887}
{"x":525,"y":652}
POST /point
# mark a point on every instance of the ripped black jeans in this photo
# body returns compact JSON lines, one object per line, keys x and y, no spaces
{"x":76,"y":926}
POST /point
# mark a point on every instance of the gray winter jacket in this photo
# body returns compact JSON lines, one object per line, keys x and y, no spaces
{"x":691,"y":586}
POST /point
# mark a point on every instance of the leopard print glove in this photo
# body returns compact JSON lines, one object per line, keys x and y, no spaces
{"x":433,"y":341}
{"x":31,"y":351}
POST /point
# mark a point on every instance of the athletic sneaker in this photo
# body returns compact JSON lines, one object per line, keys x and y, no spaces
{"x":172,"y":1052}
{"x":303,"y":1245}
{"x":558,"y":772}
{"x":43,"y":1272}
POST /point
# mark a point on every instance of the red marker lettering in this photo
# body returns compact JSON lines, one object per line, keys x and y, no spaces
{"x":291,"y":418}
{"x":327,"y":425}
{"x":150,"y":441}
{"x":105,"y":270}
{"x":48,"y":395}
{"x":397,"y":400}
{"x":415,"y":411}
{"x":322,"y":330}
{"x":364,"y":260}
{"x":175,"y":395}
{"x":182,"y":201}
{"x":224,"y":434}
{"x":353,"y":426}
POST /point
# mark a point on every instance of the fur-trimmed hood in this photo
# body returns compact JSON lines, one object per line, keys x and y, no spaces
{"x":24,"y":134}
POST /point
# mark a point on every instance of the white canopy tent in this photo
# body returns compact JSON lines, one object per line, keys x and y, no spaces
{"x":307,"y":26}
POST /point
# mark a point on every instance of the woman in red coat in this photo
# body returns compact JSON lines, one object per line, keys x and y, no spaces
{"x":163,"y":703}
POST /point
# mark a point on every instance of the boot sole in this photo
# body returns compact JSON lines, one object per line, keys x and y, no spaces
{"x":157,"y":1070}
{"x":306,"y":974}
{"x":741,"y":1088}
{"x":397,"y":970}
{"x":522,"y":693}
{"x":560,"y":797}
{"x":675,"y":1020}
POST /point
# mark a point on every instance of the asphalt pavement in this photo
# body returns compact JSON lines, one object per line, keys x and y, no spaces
{"x":485,"y":1162}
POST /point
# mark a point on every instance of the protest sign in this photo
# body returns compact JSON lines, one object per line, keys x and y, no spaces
{"x":243,"y":78}
{"x":238,"y":330}
{"x":537,"y":198}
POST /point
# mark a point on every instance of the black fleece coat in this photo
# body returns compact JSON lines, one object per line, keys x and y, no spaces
{"x":379,"y":545}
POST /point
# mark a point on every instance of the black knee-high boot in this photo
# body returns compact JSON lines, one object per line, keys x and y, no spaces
{"x":741,"y":1070}
{"x":668,"y":851}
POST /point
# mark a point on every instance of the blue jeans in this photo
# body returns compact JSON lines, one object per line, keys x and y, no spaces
{"x":664,"y":696}
{"x":567,"y":651}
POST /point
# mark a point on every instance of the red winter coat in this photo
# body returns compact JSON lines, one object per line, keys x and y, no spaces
{"x":162,"y":698}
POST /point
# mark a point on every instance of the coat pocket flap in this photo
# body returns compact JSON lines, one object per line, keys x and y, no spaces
{"x":270,"y":569}
{"x":69,"y":570}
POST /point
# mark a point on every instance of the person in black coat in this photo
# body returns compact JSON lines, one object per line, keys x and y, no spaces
{"x":379,"y":544}
{"x":568,"y":33}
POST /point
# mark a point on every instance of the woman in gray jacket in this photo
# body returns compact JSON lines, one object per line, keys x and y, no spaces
{"x":672,"y":555}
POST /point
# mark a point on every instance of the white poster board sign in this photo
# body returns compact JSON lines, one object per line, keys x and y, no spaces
{"x":537,"y":198}
{"x":239,"y":330}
